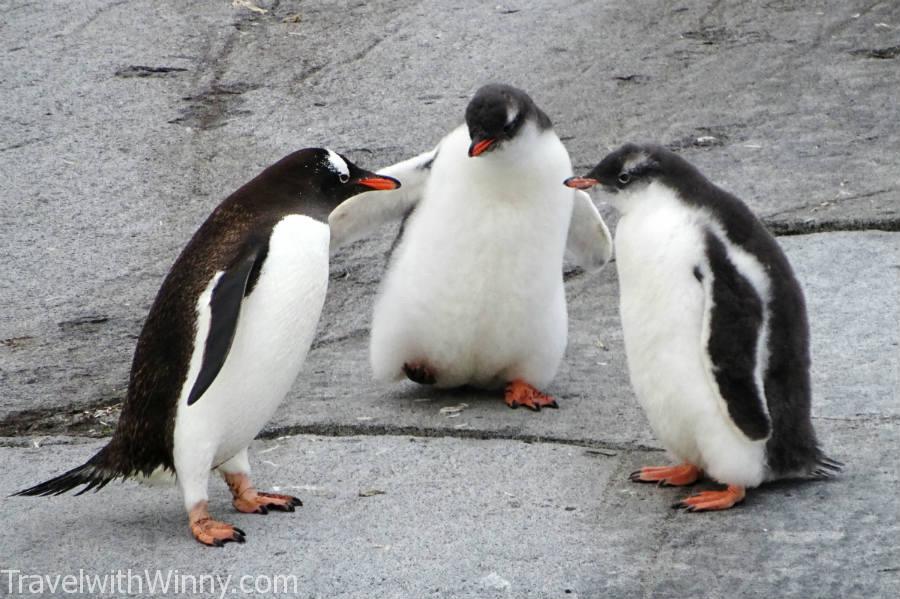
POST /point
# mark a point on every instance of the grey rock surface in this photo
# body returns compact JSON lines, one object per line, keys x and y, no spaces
{"x":479,"y":518}
{"x":125,"y":123}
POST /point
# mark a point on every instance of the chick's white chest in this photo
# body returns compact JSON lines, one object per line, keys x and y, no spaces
{"x":475,"y":286}
{"x":658,"y":244}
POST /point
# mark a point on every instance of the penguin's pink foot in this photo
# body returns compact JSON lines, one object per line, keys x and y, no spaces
{"x":419,"y":372}
{"x":520,"y":393}
{"x":248,"y":500}
{"x":667,"y":476}
{"x":713,"y":500}
{"x":212,"y":532}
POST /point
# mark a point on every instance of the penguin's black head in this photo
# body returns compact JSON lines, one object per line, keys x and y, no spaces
{"x":497,"y":113}
{"x":313,"y":181}
{"x":335,"y":176}
{"x":325,"y":174}
{"x":631,"y":166}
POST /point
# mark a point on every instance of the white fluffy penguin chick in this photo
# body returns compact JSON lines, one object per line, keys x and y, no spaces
{"x":715,"y":327}
{"x":225,"y":338}
{"x":474,"y":291}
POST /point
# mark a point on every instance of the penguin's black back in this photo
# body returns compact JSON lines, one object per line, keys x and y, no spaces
{"x":144,"y":436}
{"x":792,"y":447}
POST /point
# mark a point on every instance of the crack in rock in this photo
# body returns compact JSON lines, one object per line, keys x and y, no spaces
{"x":712,"y":36}
{"x":96,"y":419}
{"x":89,"y":319}
{"x":809,"y":226}
{"x":880,"y":53}
{"x":637,"y":79}
{"x":145,"y":71}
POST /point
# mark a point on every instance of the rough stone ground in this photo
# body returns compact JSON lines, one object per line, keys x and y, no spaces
{"x":124,"y":123}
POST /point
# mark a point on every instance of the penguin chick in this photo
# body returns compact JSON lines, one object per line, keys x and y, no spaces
{"x":715,"y":327}
{"x":225,"y":338}
{"x":474,"y":292}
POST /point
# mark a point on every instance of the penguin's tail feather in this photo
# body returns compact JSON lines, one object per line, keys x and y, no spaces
{"x":92,"y":473}
{"x":825,"y":468}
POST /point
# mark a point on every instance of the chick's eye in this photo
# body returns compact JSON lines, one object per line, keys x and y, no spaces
{"x":344,"y":178}
{"x":624,"y":178}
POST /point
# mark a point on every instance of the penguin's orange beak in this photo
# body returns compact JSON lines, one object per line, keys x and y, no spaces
{"x":380,"y":182}
{"x":478,"y":147}
{"x":580,"y":182}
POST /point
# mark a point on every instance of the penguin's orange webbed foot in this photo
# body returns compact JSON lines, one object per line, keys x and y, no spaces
{"x":246,"y":499}
{"x":212,"y":532}
{"x":520,"y":393}
{"x":667,"y":476}
{"x":713,"y":500}
{"x":419,"y":372}
{"x":261,"y":503}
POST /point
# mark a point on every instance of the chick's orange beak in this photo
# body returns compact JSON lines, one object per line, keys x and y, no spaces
{"x":580,"y":182}
{"x":479,"y":147}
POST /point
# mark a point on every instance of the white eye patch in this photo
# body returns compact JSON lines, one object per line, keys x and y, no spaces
{"x":511,"y":115}
{"x":635,"y":161}
{"x":337,"y":165}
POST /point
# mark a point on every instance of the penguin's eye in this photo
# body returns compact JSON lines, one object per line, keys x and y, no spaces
{"x":624,"y":178}
{"x":344,"y":177}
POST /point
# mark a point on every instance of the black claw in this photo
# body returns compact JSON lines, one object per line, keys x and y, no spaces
{"x":262,"y":510}
{"x":218,"y":543}
{"x":238,"y":538}
{"x":831,"y":463}
{"x":553,"y":405}
{"x":296,"y":502}
{"x":678,"y":505}
{"x":239,"y":531}
{"x":635,"y":477}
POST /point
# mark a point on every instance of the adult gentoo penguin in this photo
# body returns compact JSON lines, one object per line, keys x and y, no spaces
{"x":225,"y":338}
{"x":715,"y":327}
{"x":474,"y":291}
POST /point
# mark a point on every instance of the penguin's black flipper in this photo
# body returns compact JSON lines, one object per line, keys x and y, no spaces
{"x":733,"y":324}
{"x":225,"y":308}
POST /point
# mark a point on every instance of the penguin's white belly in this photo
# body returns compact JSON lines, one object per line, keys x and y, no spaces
{"x":662,"y":310}
{"x":275,"y":328}
{"x":475,"y":287}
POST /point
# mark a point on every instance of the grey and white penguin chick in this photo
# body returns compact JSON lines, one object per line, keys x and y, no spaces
{"x":226,"y":337}
{"x":474,"y":291}
{"x":715,"y":325}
